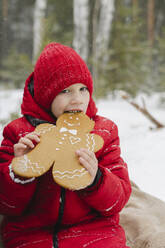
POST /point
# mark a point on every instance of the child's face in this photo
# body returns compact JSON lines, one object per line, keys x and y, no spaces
{"x":74,"y":98}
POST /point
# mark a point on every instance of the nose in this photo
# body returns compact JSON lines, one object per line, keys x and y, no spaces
{"x":76,"y":98}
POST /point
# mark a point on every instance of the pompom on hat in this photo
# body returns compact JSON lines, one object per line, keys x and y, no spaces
{"x":57,"y":68}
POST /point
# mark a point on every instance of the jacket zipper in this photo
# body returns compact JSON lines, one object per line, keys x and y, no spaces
{"x":60,"y":215}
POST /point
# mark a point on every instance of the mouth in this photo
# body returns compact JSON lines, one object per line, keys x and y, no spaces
{"x":73,"y":111}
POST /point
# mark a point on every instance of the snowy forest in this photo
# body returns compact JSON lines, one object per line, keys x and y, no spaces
{"x":122,"y":41}
{"x":123,"y":44}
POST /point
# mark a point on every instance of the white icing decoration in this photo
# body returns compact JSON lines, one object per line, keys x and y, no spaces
{"x":45,"y":129}
{"x":90,"y":137}
{"x":70,"y":172}
{"x":60,"y":175}
{"x":74,"y":140}
{"x":69,"y":124}
{"x":63,"y":129}
{"x":57,"y":149}
{"x":24,"y":164}
{"x":72,"y":131}
{"x":70,"y":177}
{"x":88,"y":143}
{"x":93,"y":140}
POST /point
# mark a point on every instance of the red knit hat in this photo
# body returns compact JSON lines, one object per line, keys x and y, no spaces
{"x":57,"y":68}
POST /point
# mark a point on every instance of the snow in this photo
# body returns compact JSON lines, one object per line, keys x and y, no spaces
{"x":9,"y":103}
{"x":142,"y":148}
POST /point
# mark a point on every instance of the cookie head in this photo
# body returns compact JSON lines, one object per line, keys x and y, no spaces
{"x":75,"y":121}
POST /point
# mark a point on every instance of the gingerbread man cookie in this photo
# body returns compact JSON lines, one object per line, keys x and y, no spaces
{"x":57,"y":147}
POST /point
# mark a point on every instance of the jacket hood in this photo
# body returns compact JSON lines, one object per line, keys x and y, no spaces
{"x":30,"y":107}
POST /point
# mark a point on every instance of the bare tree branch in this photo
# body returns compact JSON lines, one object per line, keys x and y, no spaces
{"x":143,"y":110}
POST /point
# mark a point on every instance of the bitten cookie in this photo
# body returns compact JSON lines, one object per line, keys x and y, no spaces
{"x":57,"y":147}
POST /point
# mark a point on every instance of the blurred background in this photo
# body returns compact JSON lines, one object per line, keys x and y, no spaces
{"x":123,"y":41}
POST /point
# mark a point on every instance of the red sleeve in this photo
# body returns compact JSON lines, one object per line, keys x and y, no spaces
{"x":14,"y":196}
{"x":114,"y":188}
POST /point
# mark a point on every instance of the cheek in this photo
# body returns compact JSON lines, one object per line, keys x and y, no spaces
{"x":57,"y":102}
{"x":56,"y":106}
{"x":87,"y":99}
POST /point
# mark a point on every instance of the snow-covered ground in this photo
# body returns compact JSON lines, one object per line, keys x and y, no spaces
{"x":142,"y":149}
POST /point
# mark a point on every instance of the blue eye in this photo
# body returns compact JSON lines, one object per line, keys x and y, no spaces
{"x":64,"y":91}
{"x":84,"y":89}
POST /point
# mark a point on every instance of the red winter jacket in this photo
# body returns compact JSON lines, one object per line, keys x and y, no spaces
{"x":39,"y":213}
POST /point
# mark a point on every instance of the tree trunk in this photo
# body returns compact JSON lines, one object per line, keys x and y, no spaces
{"x":38,"y":26}
{"x":127,"y":2}
{"x":135,"y":2}
{"x":104,"y":29}
{"x":101,"y":36}
{"x":81,"y":27}
{"x":134,"y":9}
{"x":94,"y":44}
{"x":150,"y":21}
{"x":4,"y":29}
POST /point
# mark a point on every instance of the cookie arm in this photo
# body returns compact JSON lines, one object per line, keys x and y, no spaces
{"x":38,"y":160}
{"x":113,"y":189}
{"x":14,"y":197}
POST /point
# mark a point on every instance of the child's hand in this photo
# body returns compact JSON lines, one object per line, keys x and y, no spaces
{"x":26,"y":143}
{"x":89,"y":161}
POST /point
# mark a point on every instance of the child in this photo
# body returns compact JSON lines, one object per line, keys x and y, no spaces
{"x":38,"y":212}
